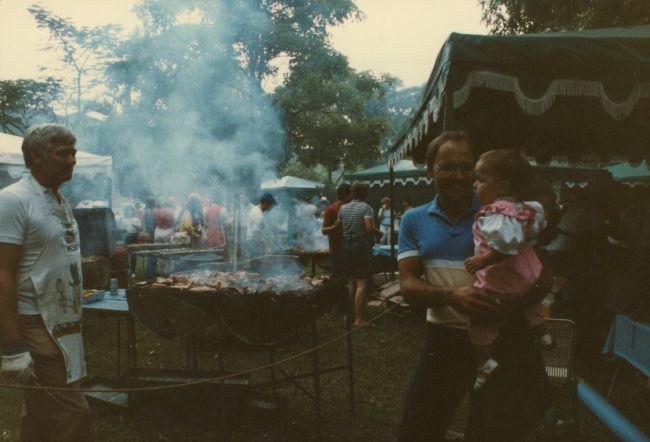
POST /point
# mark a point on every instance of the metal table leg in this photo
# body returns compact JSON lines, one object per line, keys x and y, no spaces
{"x":610,"y":390}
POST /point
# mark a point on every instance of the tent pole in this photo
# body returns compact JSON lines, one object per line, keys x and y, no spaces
{"x":391,"y":179}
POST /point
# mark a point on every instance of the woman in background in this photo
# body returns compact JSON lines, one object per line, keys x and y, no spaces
{"x":193,"y":222}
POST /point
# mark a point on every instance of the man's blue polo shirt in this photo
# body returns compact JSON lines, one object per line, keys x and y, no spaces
{"x":443,"y":247}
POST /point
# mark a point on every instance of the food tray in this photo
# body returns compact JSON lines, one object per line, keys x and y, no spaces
{"x":90,"y":296}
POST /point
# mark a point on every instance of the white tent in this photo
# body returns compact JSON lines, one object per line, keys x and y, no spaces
{"x":11,"y":159}
{"x":290,"y":183}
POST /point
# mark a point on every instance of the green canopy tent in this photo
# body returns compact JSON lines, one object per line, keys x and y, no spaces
{"x":405,"y":173}
{"x":584,"y":95}
{"x":412,"y":180}
{"x":409,"y":181}
{"x":631,"y":175}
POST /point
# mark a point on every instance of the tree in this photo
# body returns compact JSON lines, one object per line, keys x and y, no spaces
{"x":24,"y":101}
{"x":260,"y":31}
{"x":531,"y":16}
{"x":325,"y":112}
{"x":188,"y":109}
{"x":190,"y":82}
{"x":294,"y":167}
{"x":395,"y":105}
{"x":85,"y":49}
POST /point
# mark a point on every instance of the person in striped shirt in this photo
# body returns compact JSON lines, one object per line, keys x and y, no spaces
{"x":356,"y":221}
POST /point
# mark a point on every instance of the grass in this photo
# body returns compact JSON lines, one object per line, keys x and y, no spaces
{"x":385,"y":355}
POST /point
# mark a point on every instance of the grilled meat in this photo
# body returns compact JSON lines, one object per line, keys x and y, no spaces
{"x":241,"y":282}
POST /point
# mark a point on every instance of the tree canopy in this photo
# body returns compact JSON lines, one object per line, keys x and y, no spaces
{"x":532,"y":16}
{"x":325,"y":112}
{"x":23,"y":102}
{"x":83,"y":49}
{"x":395,"y":106}
{"x":189,"y":82}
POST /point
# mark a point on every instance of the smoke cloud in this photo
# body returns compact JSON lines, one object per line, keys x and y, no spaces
{"x":191,"y":117}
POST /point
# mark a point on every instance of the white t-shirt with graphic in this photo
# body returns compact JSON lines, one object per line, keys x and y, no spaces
{"x":24,"y":222}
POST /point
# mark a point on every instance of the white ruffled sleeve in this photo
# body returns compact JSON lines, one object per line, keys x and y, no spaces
{"x":538,"y":224}
{"x":502,"y":233}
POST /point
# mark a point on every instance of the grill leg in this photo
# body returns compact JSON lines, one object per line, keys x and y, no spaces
{"x":188,"y":350}
{"x":222,"y":413}
{"x":273,"y":372}
{"x":118,"y":345}
{"x":132,"y":353}
{"x":221,"y":352}
{"x":316,"y":368}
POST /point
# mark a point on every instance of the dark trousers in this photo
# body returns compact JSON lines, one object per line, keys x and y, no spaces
{"x":508,"y":406}
{"x":355,"y":257}
{"x":62,"y":416}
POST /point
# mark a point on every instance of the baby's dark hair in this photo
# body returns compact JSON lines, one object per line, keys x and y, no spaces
{"x":511,"y":166}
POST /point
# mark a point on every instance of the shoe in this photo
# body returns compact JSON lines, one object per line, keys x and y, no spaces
{"x":484,"y":372}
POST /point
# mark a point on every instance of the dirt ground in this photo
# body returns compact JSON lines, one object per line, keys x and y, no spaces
{"x":385,"y":355}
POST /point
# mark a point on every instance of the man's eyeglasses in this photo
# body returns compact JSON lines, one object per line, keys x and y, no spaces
{"x":450,"y":167}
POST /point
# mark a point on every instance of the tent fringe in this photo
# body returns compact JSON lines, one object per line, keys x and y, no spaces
{"x":402,"y":181}
{"x":419,"y":131}
{"x":569,"y":88}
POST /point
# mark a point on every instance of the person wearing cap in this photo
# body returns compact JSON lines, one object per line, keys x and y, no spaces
{"x":256,"y":236}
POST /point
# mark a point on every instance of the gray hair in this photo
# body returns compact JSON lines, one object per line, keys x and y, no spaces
{"x":42,"y":138}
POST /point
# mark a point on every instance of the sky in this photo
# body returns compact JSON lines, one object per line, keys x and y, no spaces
{"x":399,"y":37}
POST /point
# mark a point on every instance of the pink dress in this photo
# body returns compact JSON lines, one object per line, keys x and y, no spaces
{"x":510,"y":228}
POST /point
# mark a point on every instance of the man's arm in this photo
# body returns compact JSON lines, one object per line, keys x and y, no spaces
{"x":330,"y":223}
{"x":9,"y":258}
{"x":329,"y":229}
{"x":539,"y":291}
{"x":370,"y":228}
{"x":368,"y":225}
{"x":473,"y":302}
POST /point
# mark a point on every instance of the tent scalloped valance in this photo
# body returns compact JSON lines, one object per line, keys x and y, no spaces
{"x":403,"y":181}
{"x":532,"y":106}
{"x":560,"y":87}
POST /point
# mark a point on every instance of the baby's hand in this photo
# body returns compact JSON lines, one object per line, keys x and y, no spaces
{"x":474,"y":264}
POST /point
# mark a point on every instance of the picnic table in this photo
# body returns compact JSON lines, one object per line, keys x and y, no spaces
{"x":116,"y":306}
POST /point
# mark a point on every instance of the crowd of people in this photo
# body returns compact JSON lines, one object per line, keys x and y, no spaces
{"x":472,"y":257}
{"x":205,"y":223}
{"x":199,"y":222}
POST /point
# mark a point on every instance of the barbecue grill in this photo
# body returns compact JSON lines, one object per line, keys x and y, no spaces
{"x":254,"y":312}
{"x":311,"y":256}
{"x":179,"y":256}
{"x":261,"y":317}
